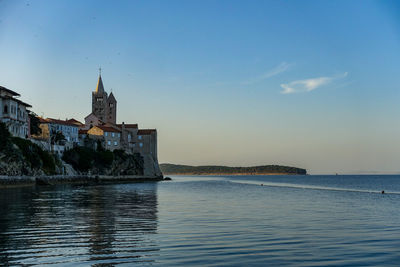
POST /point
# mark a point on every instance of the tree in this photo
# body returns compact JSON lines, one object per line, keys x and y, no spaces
{"x":57,"y":138}
{"x":35,"y":123}
{"x":4,"y":136}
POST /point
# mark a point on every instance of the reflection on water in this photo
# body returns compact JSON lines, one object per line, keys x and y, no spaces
{"x":205,"y":221}
{"x":101,"y":225}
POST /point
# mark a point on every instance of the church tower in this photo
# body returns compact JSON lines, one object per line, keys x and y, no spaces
{"x":111,"y":109}
{"x":104,"y":107}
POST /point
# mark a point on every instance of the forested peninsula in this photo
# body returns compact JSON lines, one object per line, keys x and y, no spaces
{"x":167,"y":168}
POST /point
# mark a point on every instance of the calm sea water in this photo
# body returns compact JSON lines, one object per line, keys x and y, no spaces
{"x":206,"y":221}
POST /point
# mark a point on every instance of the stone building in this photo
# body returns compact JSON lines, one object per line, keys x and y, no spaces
{"x":14,"y":113}
{"x":111,"y":136}
{"x":147,"y":141}
{"x":104,"y":106}
{"x":101,"y":123}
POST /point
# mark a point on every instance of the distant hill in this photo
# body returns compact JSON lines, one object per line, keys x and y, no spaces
{"x":167,"y":168}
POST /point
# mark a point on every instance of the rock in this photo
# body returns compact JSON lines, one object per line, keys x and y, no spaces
{"x":167,"y":179}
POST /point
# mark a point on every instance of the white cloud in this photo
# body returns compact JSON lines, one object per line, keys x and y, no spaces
{"x":308,"y":85}
{"x":275,"y":71}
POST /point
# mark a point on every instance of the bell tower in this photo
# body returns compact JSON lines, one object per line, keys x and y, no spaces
{"x":111,"y":109}
{"x":99,"y":100}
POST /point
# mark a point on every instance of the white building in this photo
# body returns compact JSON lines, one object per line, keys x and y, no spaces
{"x":13,"y":112}
{"x":67,"y":128}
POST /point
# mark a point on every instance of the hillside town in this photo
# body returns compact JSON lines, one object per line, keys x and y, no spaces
{"x":100,"y":128}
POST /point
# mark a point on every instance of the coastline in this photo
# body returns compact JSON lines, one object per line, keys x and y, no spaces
{"x":21,"y":181}
{"x":232,"y":174}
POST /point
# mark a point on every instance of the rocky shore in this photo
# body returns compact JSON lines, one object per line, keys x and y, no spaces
{"x":23,"y":163}
{"x":17,"y":181}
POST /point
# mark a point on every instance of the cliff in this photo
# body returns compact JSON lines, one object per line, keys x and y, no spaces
{"x":167,"y":168}
{"x":103,"y":162}
{"x":21,"y":157}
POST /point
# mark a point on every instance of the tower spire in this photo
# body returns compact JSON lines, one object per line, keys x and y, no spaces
{"x":100,"y":87}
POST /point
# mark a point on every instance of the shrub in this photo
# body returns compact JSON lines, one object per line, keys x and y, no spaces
{"x":4,"y":137}
{"x":36,"y":156}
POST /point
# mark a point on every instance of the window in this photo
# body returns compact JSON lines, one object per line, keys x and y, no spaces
{"x":5,"y":109}
{"x":106,"y":134}
{"x":129,"y":137}
{"x":109,"y":143}
{"x":115,"y":143}
{"x":119,"y":135}
{"x":140,"y":137}
{"x":113,"y":134}
{"x":141,"y":144}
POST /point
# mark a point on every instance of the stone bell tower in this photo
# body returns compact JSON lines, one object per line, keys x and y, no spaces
{"x":104,"y":107}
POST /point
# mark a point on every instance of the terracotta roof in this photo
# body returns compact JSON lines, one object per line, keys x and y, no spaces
{"x":83,"y":131}
{"x":146,"y":131}
{"x":2,"y":88}
{"x":108,"y":129}
{"x":128,"y":125}
{"x":75,"y":121}
{"x":61,"y":122}
{"x":43,"y":120}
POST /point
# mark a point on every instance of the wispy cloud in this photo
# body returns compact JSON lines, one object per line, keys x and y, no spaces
{"x":308,"y":85}
{"x":284,"y":66}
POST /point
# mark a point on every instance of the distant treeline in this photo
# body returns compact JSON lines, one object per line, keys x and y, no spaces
{"x":167,"y":168}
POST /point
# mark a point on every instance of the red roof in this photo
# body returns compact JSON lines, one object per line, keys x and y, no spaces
{"x":61,"y":122}
{"x":108,"y":129}
{"x":75,"y":122}
{"x":43,"y":120}
{"x":146,"y":131}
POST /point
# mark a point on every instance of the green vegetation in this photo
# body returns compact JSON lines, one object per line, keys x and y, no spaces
{"x":58,"y":138}
{"x":101,"y":161}
{"x":22,"y":157}
{"x":204,"y":170}
{"x":36,"y":156}
{"x":34,"y":123}
{"x":83,"y":159}
{"x":5,"y":142}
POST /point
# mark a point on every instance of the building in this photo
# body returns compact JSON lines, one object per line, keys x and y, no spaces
{"x":129,"y":136}
{"x":101,"y":124}
{"x":14,"y":113}
{"x":147,"y":141}
{"x":110,"y":136}
{"x":67,"y":128}
{"x":104,"y":106}
{"x":51,"y":128}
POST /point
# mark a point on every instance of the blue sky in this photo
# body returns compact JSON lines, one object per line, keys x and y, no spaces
{"x":313,"y":84}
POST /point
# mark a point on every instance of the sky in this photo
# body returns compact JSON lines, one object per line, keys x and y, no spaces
{"x":311,"y":84}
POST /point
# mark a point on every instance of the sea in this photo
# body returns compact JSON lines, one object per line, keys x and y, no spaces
{"x":312,"y":220}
